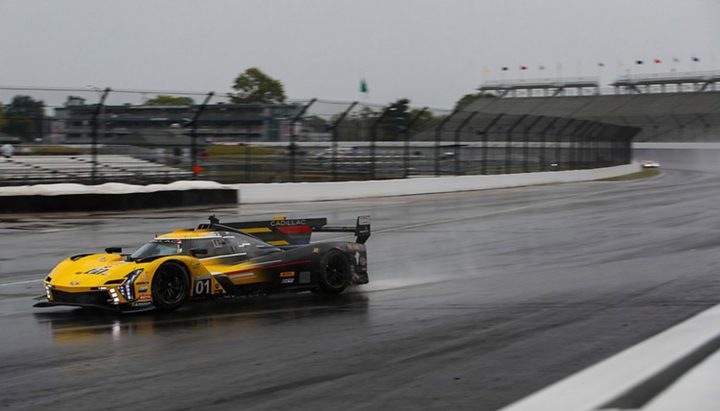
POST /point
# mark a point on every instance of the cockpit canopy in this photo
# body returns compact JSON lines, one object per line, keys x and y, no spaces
{"x":218,"y":244}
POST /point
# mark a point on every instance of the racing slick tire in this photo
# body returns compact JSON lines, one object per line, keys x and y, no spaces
{"x":170,"y":286}
{"x":335,"y":274}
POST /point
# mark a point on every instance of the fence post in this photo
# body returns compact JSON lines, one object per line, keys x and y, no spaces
{"x":373,"y":139}
{"x":571,"y":137}
{"x":438,"y":137}
{"x":508,"y":143}
{"x":587,"y":161}
{"x":456,"y":166}
{"x":292,"y":147}
{"x":526,"y":144}
{"x":406,"y":140}
{"x":558,"y":141}
{"x":543,"y":138}
{"x":193,"y":134}
{"x":94,"y":133}
{"x":485,"y":132}
{"x":333,"y":128}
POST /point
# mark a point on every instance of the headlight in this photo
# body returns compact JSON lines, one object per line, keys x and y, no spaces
{"x":128,"y":288}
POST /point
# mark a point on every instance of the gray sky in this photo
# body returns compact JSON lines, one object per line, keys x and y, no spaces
{"x":430,"y":51}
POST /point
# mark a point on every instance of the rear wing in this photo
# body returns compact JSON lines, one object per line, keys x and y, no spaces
{"x":281,"y":231}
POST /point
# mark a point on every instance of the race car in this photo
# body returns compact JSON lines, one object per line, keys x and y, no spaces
{"x":650,"y":164}
{"x":213,"y":260}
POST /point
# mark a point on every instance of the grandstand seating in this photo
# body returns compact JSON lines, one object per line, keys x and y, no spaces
{"x":78,"y":169}
{"x":692,"y":116}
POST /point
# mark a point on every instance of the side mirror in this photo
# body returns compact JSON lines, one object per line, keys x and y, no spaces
{"x":113,"y":250}
{"x":198,"y":251}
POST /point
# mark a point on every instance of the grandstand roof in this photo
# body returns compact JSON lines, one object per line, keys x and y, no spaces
{"x":539,"y":84}
{"x":667,"y":78}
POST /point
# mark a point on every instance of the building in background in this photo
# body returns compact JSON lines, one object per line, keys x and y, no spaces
{"x":158,"y":125}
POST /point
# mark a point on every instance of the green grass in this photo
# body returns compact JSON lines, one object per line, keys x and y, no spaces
{"x":645,"y":173}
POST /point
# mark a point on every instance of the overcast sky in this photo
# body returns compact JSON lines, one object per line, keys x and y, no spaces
{"x":429,"y":51}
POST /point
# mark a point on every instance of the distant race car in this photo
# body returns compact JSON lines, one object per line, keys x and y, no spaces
{"x":650,"y":164}
{"x":213,"y":260}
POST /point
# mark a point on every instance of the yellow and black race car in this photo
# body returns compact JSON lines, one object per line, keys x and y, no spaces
{"x":213,"y":260}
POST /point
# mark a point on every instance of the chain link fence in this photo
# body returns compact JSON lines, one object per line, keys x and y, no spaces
{"x":101,"y":135}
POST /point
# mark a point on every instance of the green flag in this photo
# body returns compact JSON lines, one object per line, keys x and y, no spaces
{"x":363,"y":86}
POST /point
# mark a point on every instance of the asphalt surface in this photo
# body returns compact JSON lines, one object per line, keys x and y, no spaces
{"x":476,"y":300}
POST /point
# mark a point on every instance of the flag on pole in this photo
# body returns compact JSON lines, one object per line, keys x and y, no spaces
{"x":676,"y":60}
{"x":504,"y":69}
{"x":523,"y":67}
{"x":486,"y":70}
{"x":601,"y":64}
{"x":657,"y":61}
{"x":695,"y":59}
{"x":639,"y":62}
{"x":541,"y":67}
{"x":363,"y":86}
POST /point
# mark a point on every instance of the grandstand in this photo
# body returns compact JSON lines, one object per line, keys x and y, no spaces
{"x":673,"y":107}
{"x":21,"y":170}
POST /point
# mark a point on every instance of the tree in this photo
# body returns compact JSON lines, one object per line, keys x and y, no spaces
{"x":468,"y":99}
{"x":73,"y":101}
{"x":25,"y":117}
{"x":254,"y":86}
{"x":163,"y":100}
{"x":396,"y":119}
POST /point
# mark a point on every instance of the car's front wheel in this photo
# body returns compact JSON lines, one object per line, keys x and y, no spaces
{"x":170,"y":286}
{"x":335,"y":273}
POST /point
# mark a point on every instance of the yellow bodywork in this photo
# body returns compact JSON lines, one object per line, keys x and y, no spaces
{"x":99,"y":272}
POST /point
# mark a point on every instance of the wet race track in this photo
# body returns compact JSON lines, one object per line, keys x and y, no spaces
{"x":476,"y":300}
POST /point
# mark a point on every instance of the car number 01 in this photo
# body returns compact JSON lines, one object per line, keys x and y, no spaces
{"x":202,"y":287}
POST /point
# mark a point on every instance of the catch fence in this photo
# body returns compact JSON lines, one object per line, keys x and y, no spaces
{"x":315,"y":140}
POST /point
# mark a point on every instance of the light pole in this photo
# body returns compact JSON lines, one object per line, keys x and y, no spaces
{"x":99,"y":92}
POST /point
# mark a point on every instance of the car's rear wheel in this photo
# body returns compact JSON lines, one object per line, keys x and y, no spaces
{"x":335,"y":273}
{"x":170,"y":286}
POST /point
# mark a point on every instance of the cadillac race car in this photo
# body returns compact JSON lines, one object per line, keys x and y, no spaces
{"x":213,"y":260}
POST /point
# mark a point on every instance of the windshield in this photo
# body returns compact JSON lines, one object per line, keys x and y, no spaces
{"x":157,"y":249}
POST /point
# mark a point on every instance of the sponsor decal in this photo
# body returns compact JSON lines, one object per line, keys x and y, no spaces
{"x":277,"y":223}
{"x":142,"y":283}
{"x":288,"y":281}
{"x":98,"y":270}
{"x":102,"y":259}
{"x":144,"y":298}
{"x":286,"y":274}
{"x":142,"y":303}
{"x":74,"y":283}
{"x":364,"y":220}
{"x":316,"y":250}
{"x":142,"y":289}
{"x":355,"y":247}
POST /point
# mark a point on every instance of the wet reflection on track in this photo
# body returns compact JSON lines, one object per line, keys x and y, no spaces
{"x":87,"y":324}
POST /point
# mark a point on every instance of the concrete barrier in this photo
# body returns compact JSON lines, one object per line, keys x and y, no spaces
{"x":113,"y":196}
{"x":119,"y":197}
{"x":296,"y":192}
{"x":674,"y":370}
